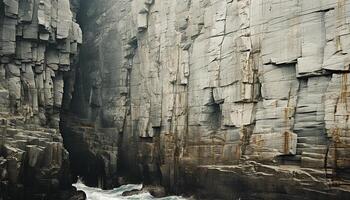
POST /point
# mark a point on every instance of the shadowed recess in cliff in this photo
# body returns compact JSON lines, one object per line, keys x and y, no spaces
{"x":87,"y":122}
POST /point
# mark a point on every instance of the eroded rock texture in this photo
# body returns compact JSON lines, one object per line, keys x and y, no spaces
{"x":208,"y":92}
{"x":38,"y":43}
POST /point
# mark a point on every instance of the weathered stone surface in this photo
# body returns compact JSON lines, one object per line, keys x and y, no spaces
{"x":253,"y":180}
{"x":33,"y":162}
{"x":274,"y":144}
{"x":64,"y":19}
{"x":189,"y":83}
{"x":165,"y":90}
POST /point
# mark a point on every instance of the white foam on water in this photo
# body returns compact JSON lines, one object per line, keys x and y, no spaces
{"x":116,"y":193}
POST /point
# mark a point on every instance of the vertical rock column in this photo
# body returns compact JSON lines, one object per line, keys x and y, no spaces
{"x":38,"y":42}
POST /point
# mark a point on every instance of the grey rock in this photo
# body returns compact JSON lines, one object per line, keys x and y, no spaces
{"x":188,"y":84}
{"x":31,"y":95}
{"x":64,"y":19}
{"x":11,"y":8}
{"x":26,"y":10}
{"x":191,"y":95}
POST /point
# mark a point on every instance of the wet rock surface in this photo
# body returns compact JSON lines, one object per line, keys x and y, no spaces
{"x":252,"y":180}
{"x":155,"y":191}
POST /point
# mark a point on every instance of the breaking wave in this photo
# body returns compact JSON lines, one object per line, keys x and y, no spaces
{"x":116,"y":193}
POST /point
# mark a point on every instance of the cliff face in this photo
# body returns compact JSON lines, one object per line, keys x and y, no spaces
{"x":38,"y":42}
{"x":225,"y":98}
{"x":241,"y":98}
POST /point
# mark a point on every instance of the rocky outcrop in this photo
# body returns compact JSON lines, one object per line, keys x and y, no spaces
{"x":237,"y":89}
{"x":38,"y":43}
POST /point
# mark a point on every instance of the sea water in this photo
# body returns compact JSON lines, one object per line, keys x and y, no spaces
{"x":116,"y":193}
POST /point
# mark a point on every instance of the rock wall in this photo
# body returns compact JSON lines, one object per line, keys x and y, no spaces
{"x":201,"y":93}
{"x":38,"y":43}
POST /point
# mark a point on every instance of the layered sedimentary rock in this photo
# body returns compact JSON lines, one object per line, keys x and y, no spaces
{"x":207,"y":92}
{"x":38,"y":42}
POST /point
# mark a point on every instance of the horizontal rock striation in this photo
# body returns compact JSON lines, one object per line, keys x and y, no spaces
{"x":197,"y":93}
{"x":38,"y":43}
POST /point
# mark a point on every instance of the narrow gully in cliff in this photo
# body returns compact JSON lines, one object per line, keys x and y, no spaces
{"x":98,"y":154}
{"x":94,"y":119}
